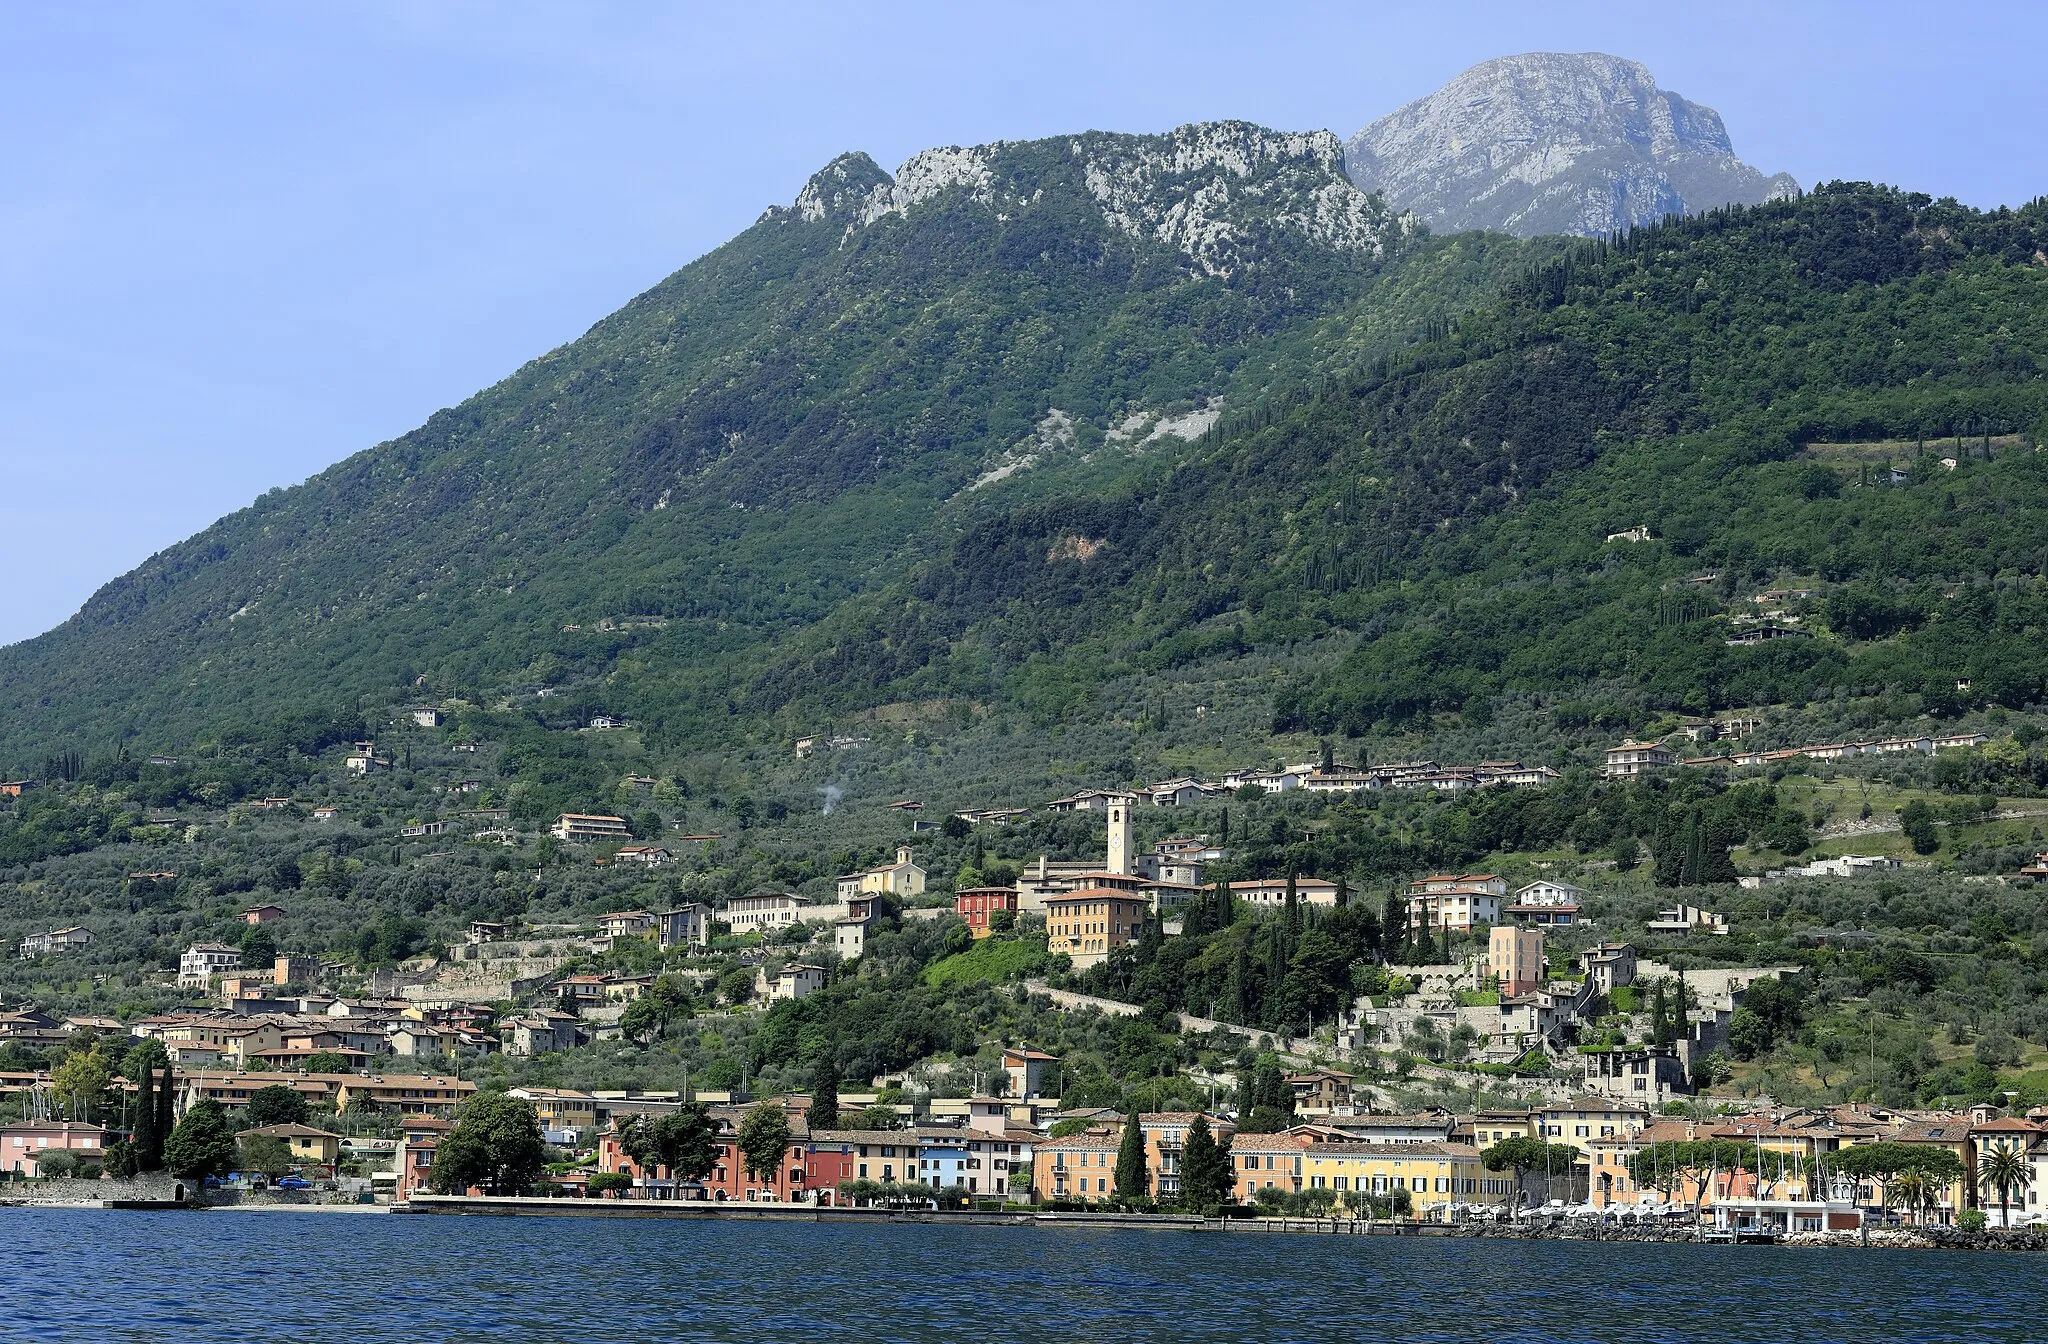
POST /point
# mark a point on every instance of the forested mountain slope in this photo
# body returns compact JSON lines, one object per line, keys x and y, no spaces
{"x":1742,"y":384}
{"x":786,"y":423}
{"x":821,"y":470}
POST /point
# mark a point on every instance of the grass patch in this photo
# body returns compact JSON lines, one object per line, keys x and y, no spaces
{"x":996,"y":959}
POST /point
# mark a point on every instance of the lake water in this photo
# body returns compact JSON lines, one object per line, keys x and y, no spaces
{"x":364,"y":1279}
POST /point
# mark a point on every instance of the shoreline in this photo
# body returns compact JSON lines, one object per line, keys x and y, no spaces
{"x":1889,"y":1238}
{"x":495,"y":1206}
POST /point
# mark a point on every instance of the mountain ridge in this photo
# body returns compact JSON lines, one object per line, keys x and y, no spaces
{"x":800,"y":402}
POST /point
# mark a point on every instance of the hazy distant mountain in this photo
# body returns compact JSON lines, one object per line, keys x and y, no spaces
{"x":1549,"y":143}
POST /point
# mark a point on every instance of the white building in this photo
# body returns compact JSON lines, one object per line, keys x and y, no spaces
{"x":581,"y":828}
{"x":1270,"y":893}
{"x":1455,"y":900}
{"x":56,"y":940}
{"x":1633,"y":758}
{"x":627,"y":924}
{"x":794,"y":981}
{"x":765,"y":910}
{"x":1688,"y":919}
{"x":203,"y":961}
{"x":1546,"y":902}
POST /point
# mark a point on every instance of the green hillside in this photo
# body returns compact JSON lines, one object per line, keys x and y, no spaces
{"x":1742,"y":384}
{"x":815,"y":475}
{"x":786,"y":424}
{"x":1463,"y":498}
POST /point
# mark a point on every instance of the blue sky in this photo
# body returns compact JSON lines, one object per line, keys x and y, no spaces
{"x":240,"y":242}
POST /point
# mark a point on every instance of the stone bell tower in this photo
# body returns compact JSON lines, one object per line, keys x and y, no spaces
{"x":1122,"y":846}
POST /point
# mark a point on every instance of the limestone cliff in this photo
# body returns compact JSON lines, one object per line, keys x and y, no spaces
{"x":1549,"y":143}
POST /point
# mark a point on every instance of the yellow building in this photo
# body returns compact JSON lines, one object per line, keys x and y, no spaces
{"x":309,"y":1146}
{"x":1087,"y":925}
{"x":901,"y":878}
{"x":1583,"y":1118}
{"x":1491,"y":1127}
{"x":1431,"y":1173}
{"x":559,"y":1107}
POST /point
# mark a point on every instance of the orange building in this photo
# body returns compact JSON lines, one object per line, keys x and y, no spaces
{"x":1514,"y":958}
{"x":1080,"y":1166}
{"x":1089,"y":924}
{"x":1083,"y":1166}
{"x":977,"y":904}
{"x":1260,"y":1161}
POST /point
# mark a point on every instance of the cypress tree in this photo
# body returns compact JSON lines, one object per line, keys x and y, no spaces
{"x":1132,"y":1179}
{"x":142,"y":1141}
{"x":1293,"y":905}
{"x":1393,"y":929}
{"x":1238,"y":995}
{"x":1276,"y":972}
{"x":165,"y":1120}
{"x":1445,"y":958}
{"x":1205,"y":1168}
{"x":823,"y":1112}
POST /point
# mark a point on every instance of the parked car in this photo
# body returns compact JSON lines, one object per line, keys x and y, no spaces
{"x":294,"y":1183}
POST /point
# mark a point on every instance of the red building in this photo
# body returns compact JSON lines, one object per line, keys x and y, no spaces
{"x":423,"y":1134}
{"x":729,"y":1178}
{"x":977,"y":904}
{"x":830,"y":1158}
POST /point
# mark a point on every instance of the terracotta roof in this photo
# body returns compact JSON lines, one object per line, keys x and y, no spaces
{"x":1267,"y":1143}
{"x":1461,"y":1151}
{"x":290,"y":1132}
{"x":1078,"y":1143}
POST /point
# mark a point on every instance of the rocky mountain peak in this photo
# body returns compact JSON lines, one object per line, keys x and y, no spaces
{"x":1554,"y":143}
{"x":1220,"y":193}
{"x":840,"y":189}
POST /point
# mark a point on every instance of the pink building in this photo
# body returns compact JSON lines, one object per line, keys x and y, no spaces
{"x":21,"y":1145}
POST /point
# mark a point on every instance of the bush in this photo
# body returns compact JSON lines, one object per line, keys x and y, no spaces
{"x":606,"y":1181}
{"x":1971,"y":1220}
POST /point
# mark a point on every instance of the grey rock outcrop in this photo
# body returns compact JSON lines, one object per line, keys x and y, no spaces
{"x":1222,"y":194}
{"x":1550,"y":143}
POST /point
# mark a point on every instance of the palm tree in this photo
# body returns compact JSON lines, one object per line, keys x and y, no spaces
{"x":1907,"y":1190}
{"x":2005,"y":1170}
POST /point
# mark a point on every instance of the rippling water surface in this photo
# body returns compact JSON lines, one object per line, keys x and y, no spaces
{"x":364,"y":1279}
